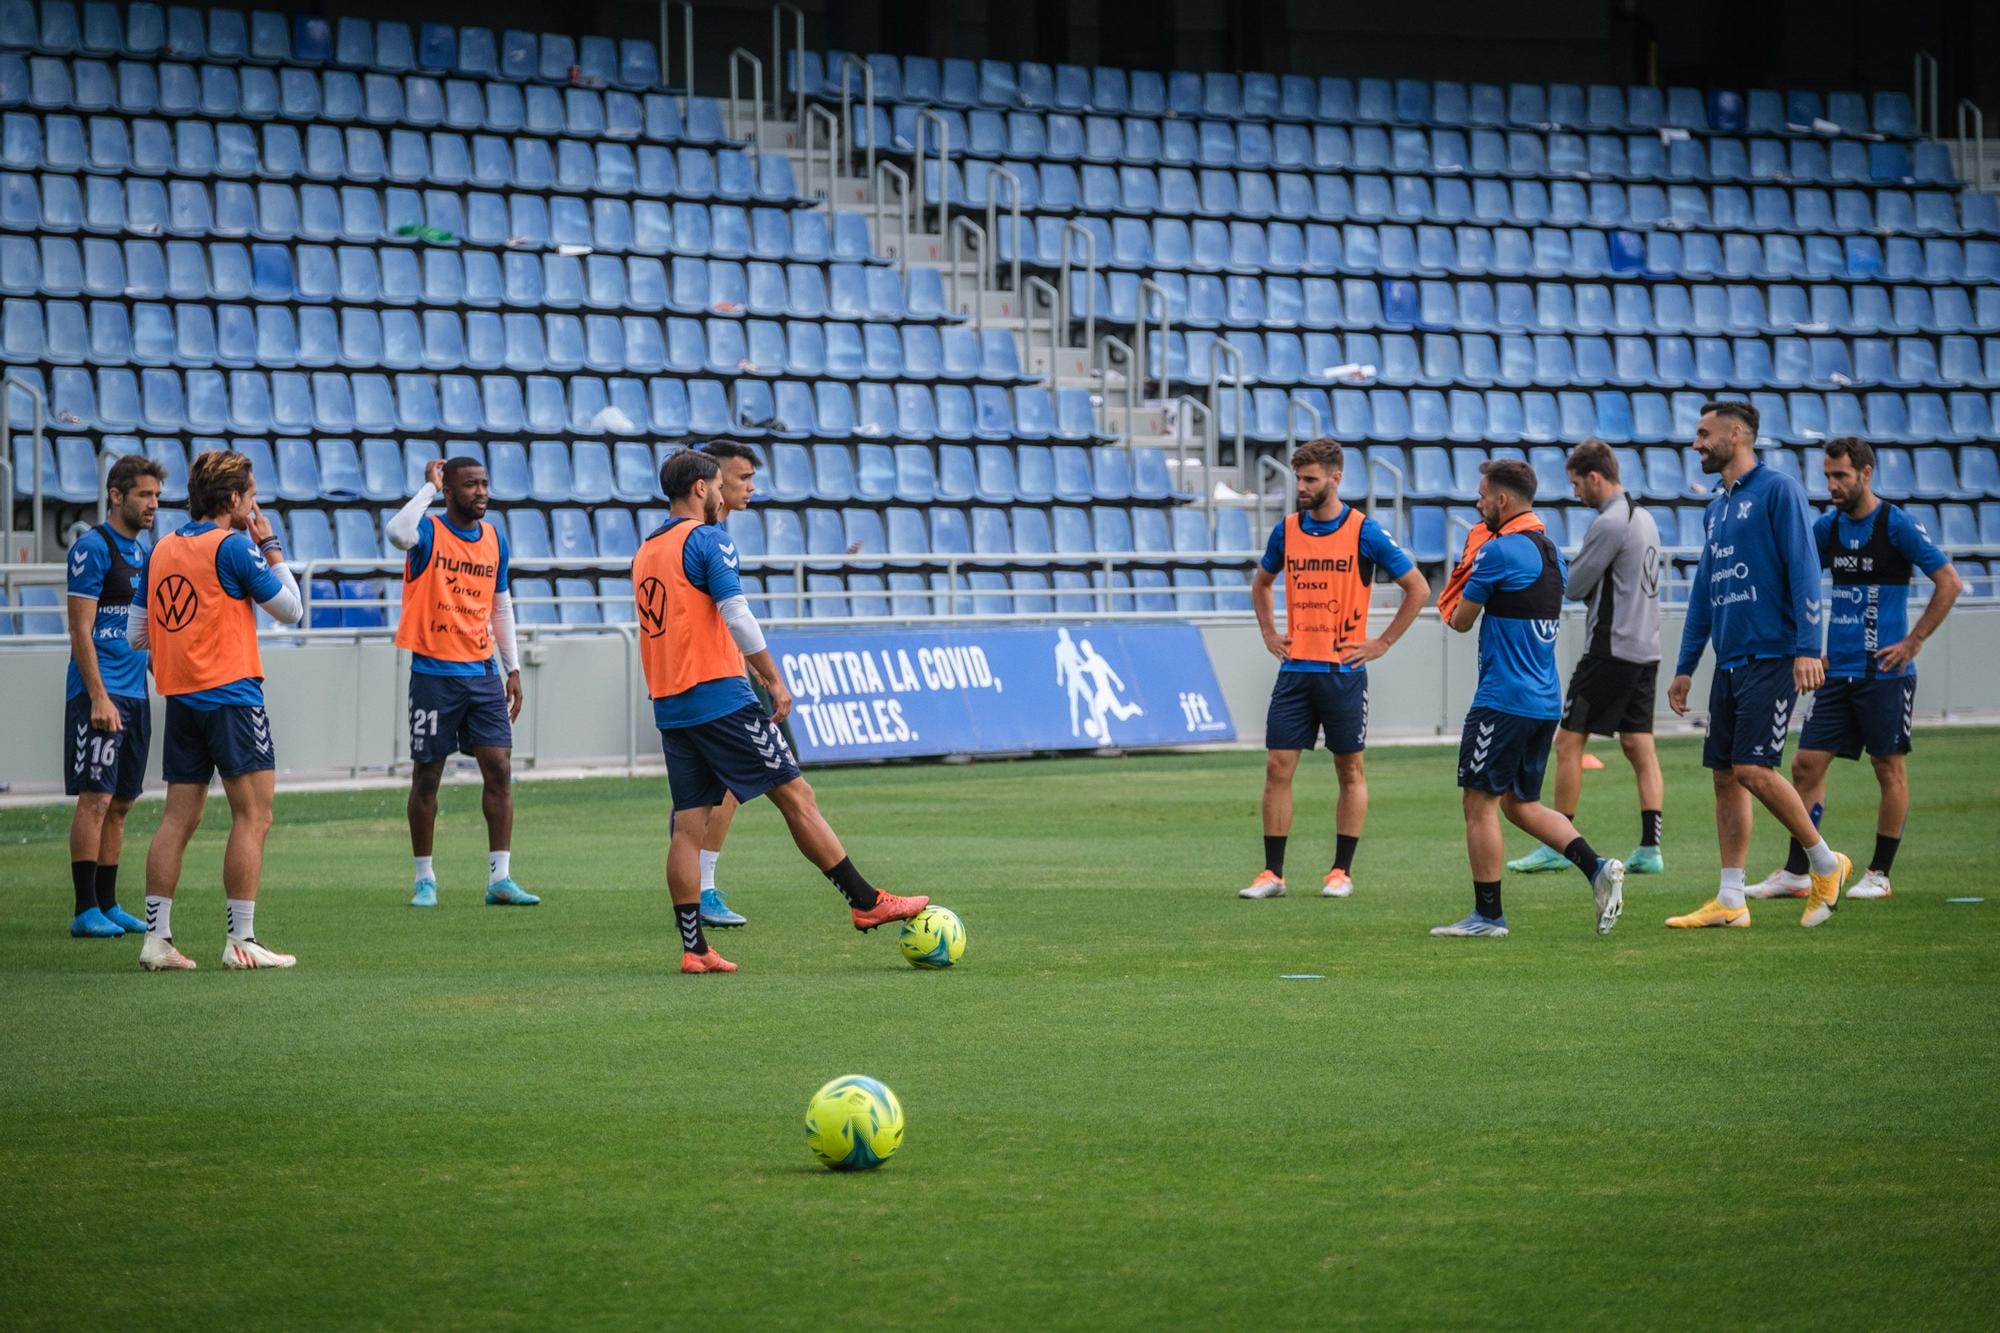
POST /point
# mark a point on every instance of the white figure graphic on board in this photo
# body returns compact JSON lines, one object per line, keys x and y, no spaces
{"x":1091,"y":680}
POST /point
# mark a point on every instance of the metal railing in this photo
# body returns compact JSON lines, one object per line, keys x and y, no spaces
{"x":965,"y":226}
{"x":1102,"y":357}
{"x":1294,"y":405}
{"x":1184,"y":426}
{"x":1222,"y":348}
{"x":887,"y":174}
{"x":1376,"y":461}
{"x":1975,"y":143}
{"x":738,"y":57}
{"x":687,"y":42}
{"x":7,"y":526}
{"x":1288,"y":481}
{"x":1148,"y":289}
{"x":867,"y":107}
{"x":929,"y":117}
{"x":8,"y":384}
{"x":992,"y":227}
{"x":778,"y":12}
{"x":1041,"y":287}
{"x":818,"y":117}
{"x":1924,"y":82}
{"x":1089,"y":279}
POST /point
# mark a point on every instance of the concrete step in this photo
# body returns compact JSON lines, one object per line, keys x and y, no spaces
{"x":1071,"y":365}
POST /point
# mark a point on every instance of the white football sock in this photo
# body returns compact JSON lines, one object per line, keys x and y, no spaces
{"x":424,"y":870}
{"x":160,"y":917}
{"x":708,"y":860}
{"x":1731,"y":893}
{"x":242,"y":919}
{"x":1824,"y":862}
{"x":496,"y":866}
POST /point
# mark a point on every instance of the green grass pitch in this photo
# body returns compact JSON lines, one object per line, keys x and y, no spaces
{"x":1119,"y":1116}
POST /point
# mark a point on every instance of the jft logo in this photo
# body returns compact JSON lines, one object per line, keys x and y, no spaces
{"x":176,"y":603}
{"x":652,"y":599}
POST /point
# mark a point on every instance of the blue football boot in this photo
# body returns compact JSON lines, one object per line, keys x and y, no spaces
{"x":426,"y":894}
{"x":715,"y":911}
{"x":94,"y":925}
{"x":124,"y":920}
{"x":506,"y":893}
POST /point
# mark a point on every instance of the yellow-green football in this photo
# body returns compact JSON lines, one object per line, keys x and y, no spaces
{"x":854,"y":1123}
{"x":933,"y":938}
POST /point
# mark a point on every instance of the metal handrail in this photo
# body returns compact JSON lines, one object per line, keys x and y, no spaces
{"x":1267,"y":464}
{"x":886,"y":174}
{"x":962,"y":225}
{"x":1969,"y":111}
{"x":1183,"y":425}
{"x":1149,"y":288}
{"x":1925,"y":64}
{"x":1041,"y":285}
{"x":1396,"y":475}
{"x":867,"y":105}
{"x":1222,"y":347}
{"x":930,"y":116}
{"x":7,"y":516}
{"x":992,"y":226}
{"x":1089,"y":278}
{"x":1453,"y":522}
{"x":687,"y":42}
{"x":737,"y":56}
{"x":778,"y":63}
{"x":817,"y":116}
{"x":1102,"y":359}
{"x":1295,"y":404}
{"x":105,"y":462}
{"x":8,"y":383}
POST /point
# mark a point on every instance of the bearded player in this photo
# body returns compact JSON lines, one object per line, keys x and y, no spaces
{"x":696,"y":634}
{"x":1328,"y":553}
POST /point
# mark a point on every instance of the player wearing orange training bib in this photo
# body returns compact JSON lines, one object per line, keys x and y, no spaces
{"x":198,"y":619}
{"x":1328,"y":553}
{"x":696,"y":635}
{"x":465,"y":678}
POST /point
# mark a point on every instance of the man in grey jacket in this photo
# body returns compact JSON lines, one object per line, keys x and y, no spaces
{"x":1612,"y":692}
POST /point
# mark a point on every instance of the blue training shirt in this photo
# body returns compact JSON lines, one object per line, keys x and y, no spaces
{"x":122,"y":667}
{"x":1517,"y":658}
{"x":710,"y":560}
{"x":1849,"y":654}
{"x":1756,"y":591}
{"x":420,"y":556}
{"x":1376,"y":546}
{"x":243,"y":574}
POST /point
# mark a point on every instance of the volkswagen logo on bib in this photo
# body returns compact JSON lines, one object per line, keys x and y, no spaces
{"x":176,"y":603}
{"x":652,"y":601}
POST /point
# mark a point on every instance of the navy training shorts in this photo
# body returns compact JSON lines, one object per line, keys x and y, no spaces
{"x":1504,"y":753}
{"x":1305,"y":703}
{"x":232,"y":739}
{"x":107,"y":761}
{"x":1850,"y":716}
{"x":453,"y":714}
{"x":1749,"y":711}
{"x":742,"y":752}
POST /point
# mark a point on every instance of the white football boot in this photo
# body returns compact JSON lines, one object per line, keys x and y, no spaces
{"x":158,"y":954}
{"x":1780,"y":884}
{"x":1874,"y":884}
{"x":243,"y":955}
